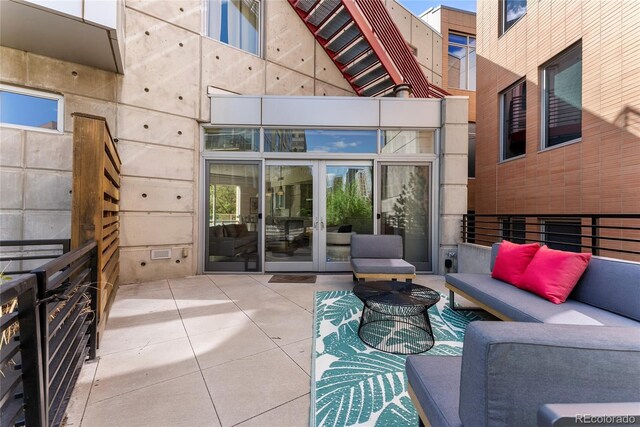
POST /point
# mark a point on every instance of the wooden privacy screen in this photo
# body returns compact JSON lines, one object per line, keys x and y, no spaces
{"x":95,"y":204}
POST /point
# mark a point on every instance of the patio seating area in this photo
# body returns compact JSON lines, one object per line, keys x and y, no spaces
{"x":216,"y":350}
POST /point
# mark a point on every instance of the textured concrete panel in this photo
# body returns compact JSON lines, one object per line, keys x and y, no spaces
{"x":11,"y":147}
{"x":68,"y":77}
{"x":132,"y":270}
{"x":422,"y":39}
{"x":454,"y":200}
{"x":165,"y":76}
{"x":184,"y":13}
{"x":450,"y":227}
{"x":327,"y":71}
{"x":141,"y":229}
{"x":11,"y":225}
{"x":283,"y":81}
{"x":427,"y":72}
{"x":47,"y":225}
{"x":140,"y":194}
{"x":288,"y":41}
{"x":11,"y":189}
{"x":455,"y":109}
{"x":13,"y":65}
{"x":47,"y":190}
{"x":401,"y":17}
{"x":455,"y":139}
{"x":232,"y":69}
{"x":437,"y":55}
{"x":454,"y":169}
{"x":154,"y":161}
{"x":158,"y":128}
{"x":325,"y":89}
{"x":79,"y":104}
{"x":437,"y":80}
{"x":49,"y":151}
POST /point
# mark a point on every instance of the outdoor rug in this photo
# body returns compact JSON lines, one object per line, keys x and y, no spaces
{"x":354,"y":384}
{"x":290,"y":278}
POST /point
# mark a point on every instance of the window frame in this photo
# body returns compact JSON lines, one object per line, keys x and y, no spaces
{"x":260,"y":43}
{"x":543,"y":97}
{"x":34,"y":93}
{"x":467,"y":61}
{"x":503,"y":18}
{"x":501,"y":119}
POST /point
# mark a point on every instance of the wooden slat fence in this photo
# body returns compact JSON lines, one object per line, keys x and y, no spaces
{"x":95,"y":212}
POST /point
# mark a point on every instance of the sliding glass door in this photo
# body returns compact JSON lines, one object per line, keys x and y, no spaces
{"x":232,"y":232}
{"x":405,"y":209}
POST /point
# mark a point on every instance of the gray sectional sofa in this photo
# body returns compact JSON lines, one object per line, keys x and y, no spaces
{"x":583,"y":352}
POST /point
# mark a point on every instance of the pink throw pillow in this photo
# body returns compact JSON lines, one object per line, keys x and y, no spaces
{"x":512,"y":261}
{"x":553,"y":274}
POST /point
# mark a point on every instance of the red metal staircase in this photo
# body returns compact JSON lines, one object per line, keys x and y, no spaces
{"x":366,"y":46}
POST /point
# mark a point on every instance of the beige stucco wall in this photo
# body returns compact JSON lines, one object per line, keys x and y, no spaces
{"x":154,"y":112}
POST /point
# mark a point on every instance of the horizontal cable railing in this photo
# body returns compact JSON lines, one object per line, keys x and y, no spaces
{"x":17,"y":253}
{"x":614,"y":235}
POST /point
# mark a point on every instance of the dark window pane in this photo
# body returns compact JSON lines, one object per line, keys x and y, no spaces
{"x":232,"y":139}
{"x":457,"y":66}
{"x":514,"y":121}
{"x":513,"y":10}
{"x":235,"y":22}
{"x":563,"y":93}
{"x":563,"y":235}
{"x":513,"y":230}
{"x":27,"y":110}
{"x":320,"y":141}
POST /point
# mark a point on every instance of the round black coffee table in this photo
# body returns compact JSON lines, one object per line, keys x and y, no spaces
{"x":395,"y":316}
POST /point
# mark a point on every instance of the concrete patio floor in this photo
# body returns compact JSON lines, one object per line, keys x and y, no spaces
{"x":215,"y":350}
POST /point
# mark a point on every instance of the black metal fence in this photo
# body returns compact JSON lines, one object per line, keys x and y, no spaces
{"x":48,"y":327}
{"x":615,"y":235}
{"x":31,"y":250}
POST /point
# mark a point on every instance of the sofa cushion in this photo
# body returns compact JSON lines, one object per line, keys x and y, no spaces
{"x":381,"y":266}
{"x":230,"y":230}
{"x":217,"y":231}
{"x":522,"y":306}
{"x":512,"y":261}
{"x":435,"y":380}
{"x":510,"y":369}
{"x":553,"y":274}
{"x":376,"y":246}
{"x":611,"y":284}
{"x":241,"y":230}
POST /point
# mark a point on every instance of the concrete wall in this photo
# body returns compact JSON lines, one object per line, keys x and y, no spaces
{"x":473,"y":258}
{"x":426,"y":41}
{"x":453,"y":175}
{"x":154,"y":111}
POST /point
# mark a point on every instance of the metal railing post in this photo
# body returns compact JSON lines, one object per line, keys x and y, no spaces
{"x":93,"y":291}
{"x":41,"y":276}
{"x":594,"y":236}
{"x":36,"y":405}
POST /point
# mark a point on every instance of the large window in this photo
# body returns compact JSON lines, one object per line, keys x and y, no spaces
{"x":30,"y":109}
{"x":513,"y":126}
{"x":408,"y":141}
{"x":232,"y":139}
{"x":562,"y":98}
{"x":462,"y":61}
{"x":320,"y":141}
{"x":235,"y":22}
{"x":510,"y":12}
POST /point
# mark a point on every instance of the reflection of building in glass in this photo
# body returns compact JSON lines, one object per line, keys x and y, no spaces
{"x":285,"y":140}
{"x":363,"y":182}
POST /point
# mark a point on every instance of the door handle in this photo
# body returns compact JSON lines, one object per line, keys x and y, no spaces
{"x":378,"y":216}
{"x":315,"y":224}
{"x":321,"y":224}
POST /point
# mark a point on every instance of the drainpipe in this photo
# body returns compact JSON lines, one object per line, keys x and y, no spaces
{"x":403,"y":90}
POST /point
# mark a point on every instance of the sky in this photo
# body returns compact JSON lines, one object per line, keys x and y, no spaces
{"x":419,"y":6}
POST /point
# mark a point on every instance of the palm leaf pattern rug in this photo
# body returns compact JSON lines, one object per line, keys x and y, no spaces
{"x":356,"y":385}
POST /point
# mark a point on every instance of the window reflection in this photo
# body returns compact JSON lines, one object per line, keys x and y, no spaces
{"x":28,"y":110}
{"x":232,"y":139}
{"x":236,"y":23}
{"x":320,"y":141}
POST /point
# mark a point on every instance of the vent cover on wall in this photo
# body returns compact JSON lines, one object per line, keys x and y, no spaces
{"x":160,"y":253}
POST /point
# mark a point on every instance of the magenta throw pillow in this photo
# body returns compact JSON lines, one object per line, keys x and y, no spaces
{"x":553,"y":274}
{"x":512,"y":261}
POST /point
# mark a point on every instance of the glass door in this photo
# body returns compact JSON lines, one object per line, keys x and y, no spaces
{"x":347,"y":209}
{"x":291,"y":216}
{"x":232,"y":231}
{"x":405,"y":209}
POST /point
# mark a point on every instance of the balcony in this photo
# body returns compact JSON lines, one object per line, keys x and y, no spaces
{"x":81,"y":31}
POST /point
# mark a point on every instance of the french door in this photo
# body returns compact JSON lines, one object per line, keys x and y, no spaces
{"x":312,"y":208}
